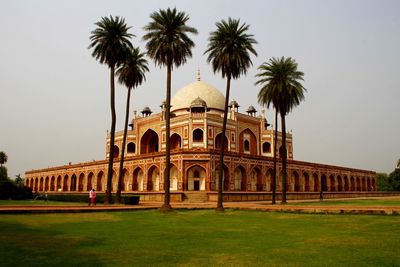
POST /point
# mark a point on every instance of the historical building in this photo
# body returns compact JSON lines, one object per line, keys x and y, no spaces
{"x":196,"y":126}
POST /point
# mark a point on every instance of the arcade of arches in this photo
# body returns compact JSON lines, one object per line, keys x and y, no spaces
{"x":240,"y":174}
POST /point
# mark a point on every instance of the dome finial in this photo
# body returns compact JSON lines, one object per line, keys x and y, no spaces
{"x":198,"y":74}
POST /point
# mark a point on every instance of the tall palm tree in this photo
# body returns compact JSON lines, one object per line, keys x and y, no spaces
{"x":266,"y":97}
{"x":3,"y":158}
{"x":131,"y":73}
{"x":109,"y":41}
{"x":281,"y":86}
{"x":168,"y":44}
{"x":228,"y":50}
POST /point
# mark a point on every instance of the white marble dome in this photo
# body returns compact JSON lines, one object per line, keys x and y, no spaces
{"x":198,"y":89}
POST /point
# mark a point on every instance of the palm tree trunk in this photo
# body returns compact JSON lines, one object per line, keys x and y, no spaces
{"x":121,"y":162}
{"x":284,"y":155}
{"x":275,"y":146}
{"x":108,"y":199}
{"x":220,"y":206}
{"x":167,"y":205}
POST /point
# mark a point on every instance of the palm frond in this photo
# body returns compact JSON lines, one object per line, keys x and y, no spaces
{"x":229,"y":48}
{"x":131,"y":72}
{"x":167,"y":37}
{"x":110,"y":40}
{"x":280,"y":84}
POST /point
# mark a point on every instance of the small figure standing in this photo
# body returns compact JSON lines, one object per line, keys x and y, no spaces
{"x":45,"y":197}
{"x":90,"y":196}
{"x":321,"y":195}
{"x":93,"y":197}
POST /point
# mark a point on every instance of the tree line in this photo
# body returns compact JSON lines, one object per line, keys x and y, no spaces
{"x":391,"y":181}
{"x":9,"y":188}
{"x":169,"y":45}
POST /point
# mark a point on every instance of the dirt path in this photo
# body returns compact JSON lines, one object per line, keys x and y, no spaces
{"x":261,"y":206}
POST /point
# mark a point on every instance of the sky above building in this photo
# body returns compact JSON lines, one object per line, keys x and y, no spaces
{"x":54,"y":96}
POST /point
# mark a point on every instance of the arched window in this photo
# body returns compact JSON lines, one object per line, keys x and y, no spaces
{"x":131,"y":148}
{"x":248,"y":142}
{"x":149,"y":142}
{"x":116,"y":152}
{"x":266,"y":147}
{"x":218,"y":143}
{"x":175,"y":141}
{"x":246,"y":145}
{"x":196,"y":174}
{"x":198,"y":135}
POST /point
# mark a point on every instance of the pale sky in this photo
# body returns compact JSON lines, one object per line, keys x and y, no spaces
{"x":54,"y":96}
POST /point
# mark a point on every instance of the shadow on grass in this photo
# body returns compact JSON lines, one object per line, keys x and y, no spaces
{"x":25,"y":246}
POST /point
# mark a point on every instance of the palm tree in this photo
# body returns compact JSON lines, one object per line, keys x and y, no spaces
{"x":3,"y":158}
{"x":109,"y":41}
{"x":168,"y":45}
{"x":229,"y":51}
{"x":131,"y":73}
{"x":281,"y":86}
{"x":265,"y":97}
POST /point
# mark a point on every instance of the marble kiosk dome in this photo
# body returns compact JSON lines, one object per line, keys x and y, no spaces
{"x":198,"y":89}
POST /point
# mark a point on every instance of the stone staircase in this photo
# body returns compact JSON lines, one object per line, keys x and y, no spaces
{"x":195,"y":197}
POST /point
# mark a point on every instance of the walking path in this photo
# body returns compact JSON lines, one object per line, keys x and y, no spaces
{"x":259,"y":205}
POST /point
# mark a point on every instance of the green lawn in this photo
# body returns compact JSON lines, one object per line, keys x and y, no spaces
{"x":199,"y":238}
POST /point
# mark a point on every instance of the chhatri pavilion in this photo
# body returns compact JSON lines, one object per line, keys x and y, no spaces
{"x":196,"y":125}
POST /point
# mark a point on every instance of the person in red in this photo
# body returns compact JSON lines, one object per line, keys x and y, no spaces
{"x":90,"y":196}
{"x":93,"y":197}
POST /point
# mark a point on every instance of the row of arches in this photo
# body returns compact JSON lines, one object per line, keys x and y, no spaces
{"x":303,"y":182}
{"x":198,"y":178}
{"x":149,"y":143}
{"x":138,"y":180}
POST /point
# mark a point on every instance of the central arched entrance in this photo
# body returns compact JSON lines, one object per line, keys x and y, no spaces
{"x":196,"y":176}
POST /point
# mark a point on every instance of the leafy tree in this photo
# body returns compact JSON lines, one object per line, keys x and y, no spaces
{"x":168,"y":44}
{"x":383,"y":182}
{"x":19,"y":181}
{"x":3,"y":158}
{"x":398,"y":164}
{"x":131,"y":73}
{"x":3,"y":174}
{"x":10,"y":189}
{"x":109,"y":41}
{"x":228,"y":50}
{"x":394,"y":180}
{"x":282,"y":87}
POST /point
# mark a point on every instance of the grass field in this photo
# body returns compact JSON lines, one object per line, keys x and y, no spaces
{"x":199,"y":238}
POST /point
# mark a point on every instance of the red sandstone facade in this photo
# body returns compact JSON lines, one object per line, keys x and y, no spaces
{"x":196,"y":125}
